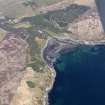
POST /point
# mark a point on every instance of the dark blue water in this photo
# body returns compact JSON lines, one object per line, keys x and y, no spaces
{"x":80,"y":77}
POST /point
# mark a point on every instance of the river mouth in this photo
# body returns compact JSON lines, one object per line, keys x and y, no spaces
{"x":80,"y":78}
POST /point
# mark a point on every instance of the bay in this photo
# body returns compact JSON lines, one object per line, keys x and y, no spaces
{"x":80,"y":78}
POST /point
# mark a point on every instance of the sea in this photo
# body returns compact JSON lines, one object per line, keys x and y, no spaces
{"x":80,"y":78}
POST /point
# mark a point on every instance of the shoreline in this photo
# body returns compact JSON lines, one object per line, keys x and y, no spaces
{"x":53,"y":75}
{"x":48,"y":89}
{"x":67,"y":41}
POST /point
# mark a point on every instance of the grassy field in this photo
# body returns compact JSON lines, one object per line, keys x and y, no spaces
{"x":15,"y":8}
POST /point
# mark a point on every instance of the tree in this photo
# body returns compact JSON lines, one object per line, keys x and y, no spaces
{"x":31,"y":84}
{"x":30,"y":3}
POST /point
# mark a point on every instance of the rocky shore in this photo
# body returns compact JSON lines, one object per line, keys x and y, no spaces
{"x":47,"y":90}
{"x":51,"y":51}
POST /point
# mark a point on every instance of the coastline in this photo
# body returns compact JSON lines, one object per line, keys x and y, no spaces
{"x":53,"y":73}
{"x":67,"y":41}
{"x":48,"y":89}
